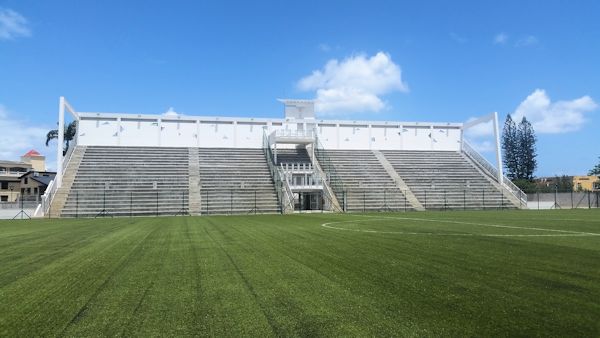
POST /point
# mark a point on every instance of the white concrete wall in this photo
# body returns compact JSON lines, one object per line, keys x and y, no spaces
{"x":220,"y":132}
{"x":134,"y":132}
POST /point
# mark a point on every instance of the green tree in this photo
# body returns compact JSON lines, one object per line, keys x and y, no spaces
{"x":69,"y":134}
{"x":526,"y":159}
{"x":596,"y":170}
{"x":510,"y":147}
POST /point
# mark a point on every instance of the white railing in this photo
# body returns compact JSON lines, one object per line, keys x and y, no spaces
{"x":288,"y":196}
{"x":44,"y":208}
{"x":284,"y":192}
{"x":297,"y":167}
{"x":294,"y":133}
{"x":493,"y":172}
{"x":304,"y":181}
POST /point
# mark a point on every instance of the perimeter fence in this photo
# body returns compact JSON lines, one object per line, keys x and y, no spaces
{"x":564,"y":200}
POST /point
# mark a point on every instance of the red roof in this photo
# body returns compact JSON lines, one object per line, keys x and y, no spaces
{"x":31,"y":153}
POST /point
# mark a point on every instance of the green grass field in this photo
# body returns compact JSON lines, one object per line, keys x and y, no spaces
{"x":504,"y":273}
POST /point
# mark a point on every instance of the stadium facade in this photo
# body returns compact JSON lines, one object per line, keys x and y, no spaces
{"x":136,"y":164}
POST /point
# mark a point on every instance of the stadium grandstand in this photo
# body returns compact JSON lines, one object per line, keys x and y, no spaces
{"x":172,"y":164}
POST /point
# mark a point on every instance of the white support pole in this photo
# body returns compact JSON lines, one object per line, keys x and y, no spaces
{"x":498,"y":153}
{"x":59,"y":145}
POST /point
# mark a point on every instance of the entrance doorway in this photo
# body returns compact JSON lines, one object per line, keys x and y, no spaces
{"x":306,"y":201}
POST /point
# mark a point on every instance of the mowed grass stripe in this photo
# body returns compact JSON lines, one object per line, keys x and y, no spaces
{"x":302,"y":299}
{"x":288,"y":276}
{"x":53,"y":296}
{"x":29,"y":254}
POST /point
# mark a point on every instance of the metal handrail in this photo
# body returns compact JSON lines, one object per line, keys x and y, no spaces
{"x":47,"y":198}
{"x":328,"y":167}
{"x":284,"y":192}
{"x":492,"y":171}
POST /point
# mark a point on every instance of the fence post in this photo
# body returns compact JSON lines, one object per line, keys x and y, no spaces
{"x":445,"y":201}
{"x":589,"y":201}
{"x":520,"y":199}
{"x":538,"y":198}
{"x":156,"y":202}
{"x":483,"y":197}
{"x":501,"y":199}
{"x":572,"y":205}
{"x":405,"y":201}
{"x":255,"y":202}
{"x":131,"y":204}
{"x":385,"y":198}
{"x":364,"y":200}
{"x":464,"y":199}
{"x":231,"y":202}
{"x":77,"y":204}
{"x":556,"y":206}
{"x":182,"y":203}
{"x":425,"y":199}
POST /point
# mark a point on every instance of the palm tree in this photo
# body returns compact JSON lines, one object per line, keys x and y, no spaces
{"x":70,"y":131}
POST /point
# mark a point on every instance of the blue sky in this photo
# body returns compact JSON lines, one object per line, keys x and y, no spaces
{"x":426,"y":61}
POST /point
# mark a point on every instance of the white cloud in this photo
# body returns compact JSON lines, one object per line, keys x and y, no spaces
{"x":13,"y":25}
{"x":500,"y":39}
{"x":18,"y":137}
{"x":458,"y":38}
{"x":481,"y":136}
{"x":354,"y":84}
{"x":481,"y":129}
{"x":324,"y":47}
{"x":483,"y":146}
{"x":554,"y":117}
{"x":527,"y":41}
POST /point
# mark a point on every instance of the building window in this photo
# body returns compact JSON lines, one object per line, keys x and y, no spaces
{"x":25,"y":182}
{"x":4,"y":185}
{"x":4,"y":198}
{"x":28,"y":191}
{"x":35,"y":191}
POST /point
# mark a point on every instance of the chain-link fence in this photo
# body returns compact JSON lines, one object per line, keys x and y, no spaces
{"x":22,"y":208}
{"x":564,"y":200}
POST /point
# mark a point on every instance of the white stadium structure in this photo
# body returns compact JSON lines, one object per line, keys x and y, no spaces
{"x":170,"y":164}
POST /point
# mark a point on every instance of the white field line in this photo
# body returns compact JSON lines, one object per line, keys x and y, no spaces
{"x":576,"y":219}
{"x":561,"y":233}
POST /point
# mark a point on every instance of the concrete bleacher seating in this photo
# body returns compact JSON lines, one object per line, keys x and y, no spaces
{"x":295,"y":155}
{"x":367,"y":185}
{"x":236,"y":181}
{"x":140,"y":181}
{"x":446,"y":180}
{"x":133,"y":181}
